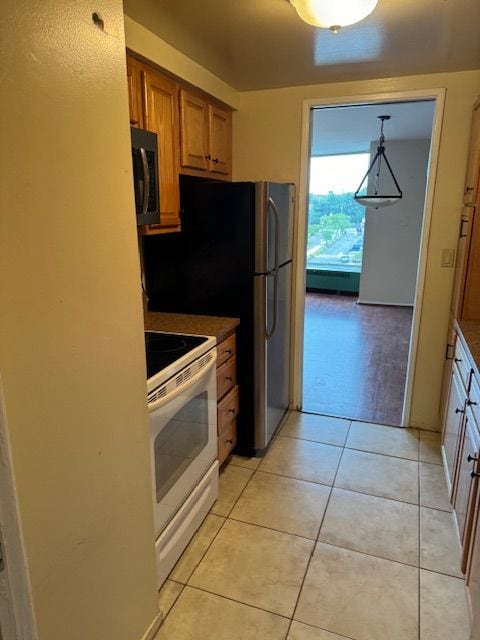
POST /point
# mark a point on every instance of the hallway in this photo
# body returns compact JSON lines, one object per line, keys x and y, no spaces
{"x":343,"y":531}
{"x":355,"y":358}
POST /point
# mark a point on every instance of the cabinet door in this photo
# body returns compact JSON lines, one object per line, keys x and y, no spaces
{"x":160,"y":115}
{"x":473,"y":572}
{"x":471,"y":194}
{"x":193,"y":132}
{"x":461,"y":261}
{"x":134,"y":92}
{"x":447,"y":368}
{"x":466,"y":485}
{"x":471,"y":299}
{"x":454,"y":413}
{"x":220,"y":140}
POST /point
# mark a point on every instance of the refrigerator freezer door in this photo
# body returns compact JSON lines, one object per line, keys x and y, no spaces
{"x":272,"y":354}
{"x":274,"y":207}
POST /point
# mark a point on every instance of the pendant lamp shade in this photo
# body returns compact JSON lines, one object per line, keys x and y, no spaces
{"x":333,"y":14}
{"x":375,"y":196}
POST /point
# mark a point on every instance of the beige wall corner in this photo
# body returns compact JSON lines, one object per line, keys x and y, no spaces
{"x":149,"y":45}
{"x":270,"y":122}
{"x":71,"y":326}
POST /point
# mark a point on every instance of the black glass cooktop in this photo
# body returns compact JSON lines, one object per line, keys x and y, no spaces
{"x":164,"y":348}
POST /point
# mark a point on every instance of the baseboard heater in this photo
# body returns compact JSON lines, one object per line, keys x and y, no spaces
{"x":328,"y":280}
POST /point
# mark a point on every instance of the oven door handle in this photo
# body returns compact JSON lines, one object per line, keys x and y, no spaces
{"x":156,"y":404}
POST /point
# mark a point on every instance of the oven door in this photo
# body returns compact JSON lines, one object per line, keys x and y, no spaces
{"x":183,"y":435}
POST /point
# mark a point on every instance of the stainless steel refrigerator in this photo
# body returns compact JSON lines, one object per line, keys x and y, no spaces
{"x":233,"y":258}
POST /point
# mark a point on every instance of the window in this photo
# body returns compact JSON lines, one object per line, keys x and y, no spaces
{"x":336,"y":222}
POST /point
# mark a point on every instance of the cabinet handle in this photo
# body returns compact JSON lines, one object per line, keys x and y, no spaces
{"x":228,"y":378}
{"x":215,"y":160}
{"x":459,"y":410}
{"x":229,"y":441}
{"x":471,"y":402}
{"x":458,"y":359}
{"x":229,"y":351}
{"x":472,"y":458}
{"x":209,"y":157}
{"x":231,"y":411}
{"x":475,"y":474}
{"x":467,"y":189}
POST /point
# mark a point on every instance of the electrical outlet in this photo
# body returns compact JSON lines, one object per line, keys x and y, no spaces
{"x":448,"y":258}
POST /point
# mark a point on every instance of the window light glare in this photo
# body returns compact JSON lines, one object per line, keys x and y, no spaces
{"x":333,"y":14}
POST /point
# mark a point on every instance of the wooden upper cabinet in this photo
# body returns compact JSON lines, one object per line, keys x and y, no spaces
{"x":134,"y":93}
{"x":206,"y":137}
{"x":193,"y":132}
{"x":160,"y":100}
{"x":220,"y":138}
{"x":470,"y":309}
{"x":471,"y":193}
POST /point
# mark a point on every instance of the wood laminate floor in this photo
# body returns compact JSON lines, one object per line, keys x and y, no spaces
{"x":355,"y":358}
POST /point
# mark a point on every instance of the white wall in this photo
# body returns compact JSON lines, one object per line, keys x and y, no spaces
{"x":392,"y":234}
{"x":72,"y":355}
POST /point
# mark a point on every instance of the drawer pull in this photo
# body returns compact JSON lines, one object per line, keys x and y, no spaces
{"x":231,"y":411}
{"x":229,"y":441}
{"x":472,"y":458}
{"x":228,"y":378}
{"x":229,"y":351}
{"x":459,"y":411}
{"x":458,"y":359}
{"x":471,"y":402}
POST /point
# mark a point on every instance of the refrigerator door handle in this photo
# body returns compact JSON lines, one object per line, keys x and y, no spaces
{"x":276,"y":215}
{"x":269,"y":332}
{"x":271,"y":205}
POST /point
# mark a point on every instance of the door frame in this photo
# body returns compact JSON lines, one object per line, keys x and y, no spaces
{"x":17,"y":617}
{"x":438,"y":96}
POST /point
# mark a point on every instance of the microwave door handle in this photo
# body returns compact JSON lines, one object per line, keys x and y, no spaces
{"x":146,"y":181}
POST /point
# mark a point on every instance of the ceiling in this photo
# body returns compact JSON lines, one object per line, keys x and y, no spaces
{"x":338,"y":130}
{"x":259,"y":44}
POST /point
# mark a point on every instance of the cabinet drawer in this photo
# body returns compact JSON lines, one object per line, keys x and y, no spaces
{"x":227,"y":441}
{"x":226,"y":377}
{"x":226,"y":350}
{"x":227,"y":410}
{"x":462,"y":362}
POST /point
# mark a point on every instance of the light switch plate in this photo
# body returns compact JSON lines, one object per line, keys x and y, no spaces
{"x":448,"y":258}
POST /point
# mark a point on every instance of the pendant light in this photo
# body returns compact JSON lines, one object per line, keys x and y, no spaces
{"x":333,"y":14}
{"x":378,"y":199}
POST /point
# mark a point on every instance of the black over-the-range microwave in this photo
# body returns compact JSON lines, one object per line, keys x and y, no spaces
{"x":145,"y":176}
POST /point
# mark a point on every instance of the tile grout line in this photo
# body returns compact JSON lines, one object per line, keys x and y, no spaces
{"x":316,"y":541}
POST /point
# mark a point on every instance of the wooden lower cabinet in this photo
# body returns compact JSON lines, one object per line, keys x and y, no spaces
{"x":465,"y":485}
{"x":453,"y":422}
{"x":227,"y":397}
{"x":473,"y":571}
{"x":461,"y":449}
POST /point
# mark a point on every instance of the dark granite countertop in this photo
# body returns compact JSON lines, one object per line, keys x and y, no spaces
{"x":470,"y":330}
{"x":186,"y":323}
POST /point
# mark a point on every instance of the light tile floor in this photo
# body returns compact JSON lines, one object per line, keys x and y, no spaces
{"x":343,"y":531}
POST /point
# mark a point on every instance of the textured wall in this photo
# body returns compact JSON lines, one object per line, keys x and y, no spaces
{"x":71,"y":330}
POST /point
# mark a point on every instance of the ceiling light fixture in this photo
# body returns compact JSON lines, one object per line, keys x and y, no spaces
{"x":333,"y":14}
{"x":377,"y":199}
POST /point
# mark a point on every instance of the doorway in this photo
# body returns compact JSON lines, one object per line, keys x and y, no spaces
{"x":362,"y":263}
